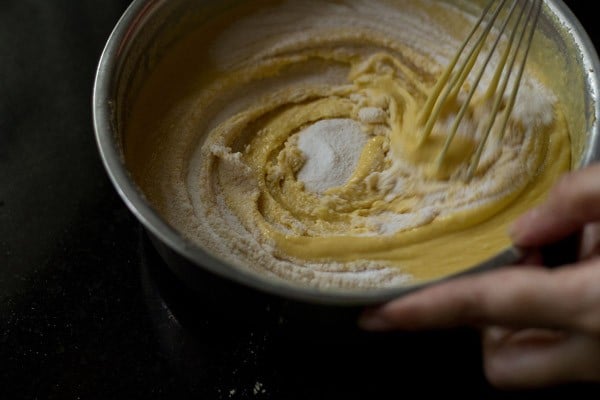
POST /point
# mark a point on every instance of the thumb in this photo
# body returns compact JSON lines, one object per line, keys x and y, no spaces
{"x":572,"y":203}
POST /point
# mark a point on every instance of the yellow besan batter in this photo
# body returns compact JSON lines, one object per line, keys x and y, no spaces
{"x":223,"y":132}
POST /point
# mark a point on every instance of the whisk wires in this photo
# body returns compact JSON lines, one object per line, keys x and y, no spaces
{"x":521,"y":18}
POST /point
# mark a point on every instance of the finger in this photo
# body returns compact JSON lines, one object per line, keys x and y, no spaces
{"x":538,"y":358}
{"x":570,"y":205}
{"x":519,"y":296}
{"x":590,"y":241}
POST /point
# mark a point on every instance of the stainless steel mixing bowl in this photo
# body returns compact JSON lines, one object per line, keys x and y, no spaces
{"x":148,"y":27}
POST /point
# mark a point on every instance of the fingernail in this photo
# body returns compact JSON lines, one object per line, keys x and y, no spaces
{"x":497,"y":334}
{"x":518,"y":229}
{"x":372,"y":320}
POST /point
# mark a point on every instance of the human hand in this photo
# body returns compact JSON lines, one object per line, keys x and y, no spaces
{"x":539,"y":326}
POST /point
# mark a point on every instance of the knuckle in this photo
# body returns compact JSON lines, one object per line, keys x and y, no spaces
{"x":589,"y":321}
{"x":473,"y":305}
{"x":587,"y":312}
{"x":563,"y":186}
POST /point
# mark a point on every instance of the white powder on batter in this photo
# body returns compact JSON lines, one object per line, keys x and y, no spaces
{"x":332,"y":148}
{"x":372,"y":115}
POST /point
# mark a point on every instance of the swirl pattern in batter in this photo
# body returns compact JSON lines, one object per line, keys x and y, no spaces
{"x":295,"y":153}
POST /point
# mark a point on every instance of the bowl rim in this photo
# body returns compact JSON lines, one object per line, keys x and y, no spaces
{"x":112,"y":159}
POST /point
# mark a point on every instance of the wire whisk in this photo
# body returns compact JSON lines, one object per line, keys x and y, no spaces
{"x":516,"y":21}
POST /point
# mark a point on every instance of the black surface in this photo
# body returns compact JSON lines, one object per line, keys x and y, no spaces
{"x":87,"y":309}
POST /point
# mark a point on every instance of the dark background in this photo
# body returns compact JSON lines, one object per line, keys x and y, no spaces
{"x":87,"y":309}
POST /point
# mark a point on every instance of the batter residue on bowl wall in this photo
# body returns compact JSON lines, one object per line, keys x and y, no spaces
{"x":285,"y":141}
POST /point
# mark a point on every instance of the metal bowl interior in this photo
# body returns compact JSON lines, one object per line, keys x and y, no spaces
{"x":148,"y":27}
